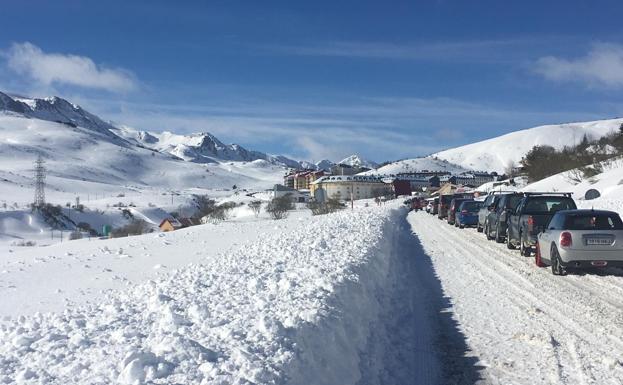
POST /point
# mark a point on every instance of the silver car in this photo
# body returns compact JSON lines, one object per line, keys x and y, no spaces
{"x":581,"y":239}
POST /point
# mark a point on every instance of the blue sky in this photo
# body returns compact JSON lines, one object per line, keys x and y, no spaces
{"x":322,"y":79}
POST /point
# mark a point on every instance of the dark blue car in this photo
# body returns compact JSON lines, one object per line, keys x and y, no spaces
{"x":467,"y":214}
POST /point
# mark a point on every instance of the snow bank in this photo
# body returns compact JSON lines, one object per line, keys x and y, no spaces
{"x":296,"y":307}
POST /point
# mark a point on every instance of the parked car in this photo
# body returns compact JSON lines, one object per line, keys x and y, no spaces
{"x":581,"y":239}
{"x":445,"y":200}
{"x":496,"y":222}
{"x":468,"y":214}
{"x":444,"y":204}
{"x":416,"y":204}
{"x":488,"y":206}
{"x":435,"y":207}
{"x":532,"y":215}
{"x":454,"y":208}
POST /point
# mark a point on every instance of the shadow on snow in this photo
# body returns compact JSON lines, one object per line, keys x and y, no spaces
{"x":447,"y":343}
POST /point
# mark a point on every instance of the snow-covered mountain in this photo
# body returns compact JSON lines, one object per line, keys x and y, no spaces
{"x":497,"y":153}
{"x":201,"y":148}
{"x":324,"y":164}
{"x":415,"y":165}
{"x":84,"y":154}
{"x":356,"y":161}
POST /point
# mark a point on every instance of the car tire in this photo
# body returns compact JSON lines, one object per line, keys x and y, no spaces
{"x":478,"y":228}
{"x":461,"y":226}
{"x":557,"y":268}
{"x":523,"y":250}
{"x":537,"y":256}
{"x":498,"y":237}
{"x":487,"y":232}
{"x":509,"y":244}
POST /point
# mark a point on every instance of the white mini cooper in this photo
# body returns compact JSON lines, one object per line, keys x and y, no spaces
{"x":581,"y":239}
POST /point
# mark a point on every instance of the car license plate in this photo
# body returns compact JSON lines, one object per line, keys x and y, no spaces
{"x":598,"y":241}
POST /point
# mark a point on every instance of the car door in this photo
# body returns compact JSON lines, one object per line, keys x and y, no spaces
{"x":544,"y":239}
{"x":514,"y":219}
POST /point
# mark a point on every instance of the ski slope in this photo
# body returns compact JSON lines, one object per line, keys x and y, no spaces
{"x":497,"y":153}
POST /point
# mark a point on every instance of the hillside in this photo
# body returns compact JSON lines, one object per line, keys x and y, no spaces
{"x":495,"y":154}
{"x":416,"y":164}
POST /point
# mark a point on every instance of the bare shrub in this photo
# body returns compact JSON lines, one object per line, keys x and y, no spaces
{"x":278,"y":208}
{"x":136,"y":227}
{"x":330,"y":206}
{"x":256,"y":207}
{"x":75,"y":235}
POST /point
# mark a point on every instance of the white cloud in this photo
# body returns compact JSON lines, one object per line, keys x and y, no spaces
{"x":54,"y":68}
{"x":602,"y":66}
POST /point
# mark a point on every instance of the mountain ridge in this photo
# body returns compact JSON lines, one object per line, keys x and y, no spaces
{"x":200,"y":147}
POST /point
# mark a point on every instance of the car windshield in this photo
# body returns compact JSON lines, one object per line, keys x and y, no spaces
{"x":594,"y":222}
{"x":470,"y":206}
{"x":545,"y":205}
{"x":457,"y":204}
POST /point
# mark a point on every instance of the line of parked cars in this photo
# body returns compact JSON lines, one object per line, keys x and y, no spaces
{"x":546,"y":225}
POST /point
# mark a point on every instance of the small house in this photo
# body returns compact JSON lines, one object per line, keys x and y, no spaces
{"x":170,"y":224}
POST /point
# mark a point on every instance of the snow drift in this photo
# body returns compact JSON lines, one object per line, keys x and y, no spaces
{"x":296,"y":307}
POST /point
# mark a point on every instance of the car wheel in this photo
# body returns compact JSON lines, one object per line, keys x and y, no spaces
{"x":498,"y":236}
{"x":523,"y":250}
{"x":537,"y":256}
{"x":487,"y":233}
{"x":557,"y":268}
{"x":461,"y":226}
{"x":478,"y":228}
{"x":509,"y":244}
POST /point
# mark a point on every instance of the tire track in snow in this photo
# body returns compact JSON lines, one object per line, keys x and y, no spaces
{"x":516,"y":286}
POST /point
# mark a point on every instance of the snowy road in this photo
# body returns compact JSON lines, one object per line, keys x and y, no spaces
{"x":525,"y":325}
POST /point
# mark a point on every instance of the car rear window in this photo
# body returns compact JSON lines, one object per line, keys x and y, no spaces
{"x":513,"y":201}
{"x":594,"y":222}
{"x":471,"y":206}
{"x":544,"y":205}
{"x":446,"y":199}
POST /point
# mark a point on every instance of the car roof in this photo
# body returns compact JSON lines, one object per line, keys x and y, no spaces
{"x":552,"y":195}
{"x":586,"y":211}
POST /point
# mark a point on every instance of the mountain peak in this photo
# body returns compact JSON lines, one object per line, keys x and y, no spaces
{"x":357,"y":161}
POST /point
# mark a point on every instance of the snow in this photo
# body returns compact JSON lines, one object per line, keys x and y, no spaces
{"x":524,"y":325}
{"x":415,"y":165}
{"x":357,"y":161}
{"x":314,"y":301}
{"x":609,"y":183}
{"x":495,"y":154}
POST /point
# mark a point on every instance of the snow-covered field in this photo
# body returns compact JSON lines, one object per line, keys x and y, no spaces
{"x":525,"y":325}
{"x":320,"y":300}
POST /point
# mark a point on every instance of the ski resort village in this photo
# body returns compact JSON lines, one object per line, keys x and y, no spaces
{"x":282,"y":193}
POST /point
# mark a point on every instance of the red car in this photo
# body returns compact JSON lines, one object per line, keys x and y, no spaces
{"x":416,"y":204}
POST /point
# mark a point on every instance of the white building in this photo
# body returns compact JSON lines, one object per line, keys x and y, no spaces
{"x":342,"y":186}
{"x":280,"y":190}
